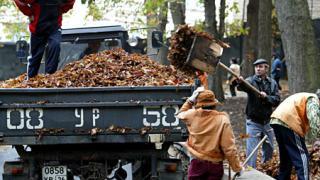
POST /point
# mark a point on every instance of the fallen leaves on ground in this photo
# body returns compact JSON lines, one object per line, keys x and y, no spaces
{"x":271,"y":167}
{"x":107,"y":68}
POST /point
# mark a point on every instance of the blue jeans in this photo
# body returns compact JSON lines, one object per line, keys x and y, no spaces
{"x":256,"y":132}
{"x":38,"y":47}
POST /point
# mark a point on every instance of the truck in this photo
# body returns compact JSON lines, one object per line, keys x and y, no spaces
{"x":92,"y":133}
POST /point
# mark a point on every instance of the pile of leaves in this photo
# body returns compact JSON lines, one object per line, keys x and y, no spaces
{"x":271,"y":167}
{"x":180,"y":45}
{"x":315,"y":163}
{"x":107,"y":68}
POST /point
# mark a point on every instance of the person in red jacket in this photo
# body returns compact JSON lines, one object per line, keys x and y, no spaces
{"x":45,"y":27}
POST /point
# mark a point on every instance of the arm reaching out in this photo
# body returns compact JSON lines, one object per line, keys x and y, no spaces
{"x":24,"y":6}
{"x":67,"y":6}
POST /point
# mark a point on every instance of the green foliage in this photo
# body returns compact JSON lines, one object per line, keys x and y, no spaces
{"x":5,"y":3}
{"x":199,"y":25}
{"x":234,"y":7}
{"x":235,"y":28}
{"x":152,"y":9}
{"x":14,"y":31}
{"x":95,"y":12}
{"x":17,"y":25}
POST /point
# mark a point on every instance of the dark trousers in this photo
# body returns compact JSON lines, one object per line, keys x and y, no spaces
{"x":233,"y":88}
{"x":38,"y":46}
{"x":205,"y":170}
{"x":293,"y":152}
{"x":277,"y":81}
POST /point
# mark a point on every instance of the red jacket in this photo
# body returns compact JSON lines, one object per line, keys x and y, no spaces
{"x":45,"y":15}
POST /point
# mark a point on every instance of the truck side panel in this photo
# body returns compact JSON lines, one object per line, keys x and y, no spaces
{"x":90,"y":115}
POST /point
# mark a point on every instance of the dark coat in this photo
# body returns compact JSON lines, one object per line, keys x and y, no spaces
{"x":259,"y":109}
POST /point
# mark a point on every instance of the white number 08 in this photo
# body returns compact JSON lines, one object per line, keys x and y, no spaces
{"x":25,"y":118}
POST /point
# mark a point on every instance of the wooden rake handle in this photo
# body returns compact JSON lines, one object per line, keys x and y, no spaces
{"x":255,"y":90}
{"x":251,"y":154}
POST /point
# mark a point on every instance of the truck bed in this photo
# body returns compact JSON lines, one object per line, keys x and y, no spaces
{"x":90,"y":115}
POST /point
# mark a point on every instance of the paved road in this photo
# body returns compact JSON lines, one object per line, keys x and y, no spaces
{"x":248,"y":175}
{"x":7,"y":153}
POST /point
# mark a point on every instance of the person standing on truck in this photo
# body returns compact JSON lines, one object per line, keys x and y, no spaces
{"x":45,"y":27}
{"x":291,"y":121}
{"x":258,"y":110}
{"x":211,"y":138}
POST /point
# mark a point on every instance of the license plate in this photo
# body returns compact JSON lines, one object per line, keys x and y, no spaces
{"x":54,"y":173}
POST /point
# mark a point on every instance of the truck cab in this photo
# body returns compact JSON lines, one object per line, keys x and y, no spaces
{"x":78,"y":42}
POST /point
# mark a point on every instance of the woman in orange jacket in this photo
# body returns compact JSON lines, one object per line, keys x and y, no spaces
{"x":211,"y":138}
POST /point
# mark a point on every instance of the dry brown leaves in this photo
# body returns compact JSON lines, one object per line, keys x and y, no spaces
{"x":271,"y":168}
{"x":315,"y":163}
{"x":108,"y":68}
{"x":181,"y":42}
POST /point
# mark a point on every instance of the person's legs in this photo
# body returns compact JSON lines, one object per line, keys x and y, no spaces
{"x":38,"y":45}
{"x":254,"y":131}
{"x":267,"y":146}
{"x":197,"y":170}
{"x":278,"y":83}
{"x":285,"y":161}
{"x":233,"y":89}
{"x":214,"y":171}
{"x":53,"y":55}
{"x":299,"y":156}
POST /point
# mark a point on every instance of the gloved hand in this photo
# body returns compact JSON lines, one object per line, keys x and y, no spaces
{"x":240,"y":173}
{"x":195,"y":94}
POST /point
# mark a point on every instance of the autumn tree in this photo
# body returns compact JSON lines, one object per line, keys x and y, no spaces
{"x":178,"y":12}
{"x":301,"y":51}
{"x":16,"y":26}
{"x":265,"y":30}
{"x":215,"y":81}
{"x":258,"y":43}
{"x":251,"y":40}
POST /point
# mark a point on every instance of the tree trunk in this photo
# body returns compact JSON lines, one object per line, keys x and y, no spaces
{"x":301,"y":51}
{"x":163,"y":20}
{"x":222,"y":16}
{"x":215,"y":81}
{"x":178,"y":11}
{"x":251,"y":40}
{"x":265,"y":30}
{"x":151,"y":18}
{"x":210,"y":17}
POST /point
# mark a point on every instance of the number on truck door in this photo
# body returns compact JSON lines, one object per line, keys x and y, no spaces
{"x":153,"y":111}
{"x":25,"y":122}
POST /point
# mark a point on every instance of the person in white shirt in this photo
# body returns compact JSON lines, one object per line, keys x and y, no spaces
{"x":234,"y":66}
